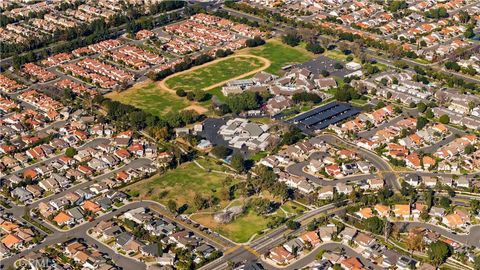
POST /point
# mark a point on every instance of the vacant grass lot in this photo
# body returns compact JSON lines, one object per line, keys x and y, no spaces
{"x":240,"y":230}
{"x":182,"y":184}
{"x":212,"y":74}
{"x":150,"y":98}
{"x":280,"y":55}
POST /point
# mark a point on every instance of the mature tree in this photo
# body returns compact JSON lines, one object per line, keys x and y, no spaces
{"x":306,"y":97}
{"x":374,"y":224}
{"x":254,"y":42}
{"x":238,"y":163}
{"x":70,"y":152}
{"x":469,"y":33}
{"x":315,"y":48}
{"x":181,"y":93}
{"x":220,"y":151}
{"x":428,"y":196}
{"x":291,"y":38}
{"x":338,"y":65}
{"x":444,"y":119}
{"x":469,"y":149}
{"x":244,"y":101}
{"x":421,"y":107}
{"x":325,"y":73}
{"x":292,"y":225}
{"x":429,"y":113}
{"x":199,"y":202}
{"x":224,"y":194}
{"x":453,"y":66}
{"x":280,"y":190}
{"x":475,"y":206}
{"x":172,"y":206}
{"x":415,"y":241}
{"x":421,"y":122}
{"x":445,"y":202}
{"x":397,"y":5}
{"x":438,"y":252}
{"x":293,"y":135}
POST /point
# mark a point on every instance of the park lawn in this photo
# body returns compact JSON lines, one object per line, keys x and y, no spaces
{"x":217,"y":72}
{"x":213,"y":164}
{"x":294,"y":208}
{"x":280,"y":54}
{"x":181,"y":185}
{"x":359,"y":102}
{"x":240,"y":230}
{"x":150,"y":98}
{"x":339,"y":55}
{"x":217,"y":91}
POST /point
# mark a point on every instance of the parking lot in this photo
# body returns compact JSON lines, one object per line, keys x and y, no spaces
{"x":324,"y":63}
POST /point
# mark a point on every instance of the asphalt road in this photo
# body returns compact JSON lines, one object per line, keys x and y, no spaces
{"x":386,"y":171}
{"x":81,"y":232}
{"x":347,"y":251}
{"x":92,"y":143}
{"x":470,"y":239}
{"x":266,"y":242}
{"x":297,"y":169}
{"x":19,"y":211}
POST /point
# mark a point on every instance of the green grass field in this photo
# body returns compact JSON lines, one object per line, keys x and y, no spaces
{"x":151,"y":99}
{"x":215,"y":73}
{"x":240,"y":230}
{"x":281,"y":55}
{"x":182,"y":184}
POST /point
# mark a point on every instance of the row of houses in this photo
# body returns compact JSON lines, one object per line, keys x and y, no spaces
{"x":15,"y":236}
{"x":38,"y":73}
{"x":151,"y":223}
{"x":134,"y":57}
{"x":9,"y":85}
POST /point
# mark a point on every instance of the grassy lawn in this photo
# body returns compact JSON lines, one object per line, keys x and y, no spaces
{"x":281,"y":55}
{"x":150,"y":98}
{"x":360,"y":102}
{"x":258,"y":156}
{"x":240,"y":230}
{"x":215,"y":73}
{"x":293,"y":207}
{"x":217,"y":91}
{"x":336,"y":54}
{"x":181,"y":184}
{"x":422,"y":61}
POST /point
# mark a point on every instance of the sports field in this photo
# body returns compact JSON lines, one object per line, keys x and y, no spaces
{"x":159,"y":98}
{"x":210,"y":75}
{"x":149,"y":97}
